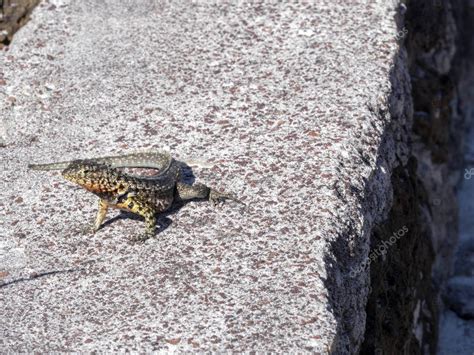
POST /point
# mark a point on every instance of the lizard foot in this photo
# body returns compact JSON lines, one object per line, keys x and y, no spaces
{"x":141,"y":238}
{"x":89,"y":229}
{"x":216,"y":197}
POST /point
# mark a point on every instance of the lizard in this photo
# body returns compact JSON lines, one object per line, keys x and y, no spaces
{"x":142,"y":195}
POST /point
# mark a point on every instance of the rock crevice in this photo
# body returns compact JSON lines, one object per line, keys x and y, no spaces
{"x":407,"y":282}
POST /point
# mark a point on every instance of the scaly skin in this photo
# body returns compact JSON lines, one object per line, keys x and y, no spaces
{"x":151,"y":160}
{"x":145,"y":196}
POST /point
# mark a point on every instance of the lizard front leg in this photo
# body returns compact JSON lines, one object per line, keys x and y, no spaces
{"x":101,"y":213}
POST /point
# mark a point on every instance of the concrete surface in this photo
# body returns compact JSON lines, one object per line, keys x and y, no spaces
{"x":289,"y":102}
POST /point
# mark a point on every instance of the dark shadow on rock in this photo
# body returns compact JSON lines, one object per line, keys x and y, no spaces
{"x":40,"y":275}
{"x":187,"y":174}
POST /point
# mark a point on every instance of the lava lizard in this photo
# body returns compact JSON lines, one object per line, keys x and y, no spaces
{"x":142,"y":195}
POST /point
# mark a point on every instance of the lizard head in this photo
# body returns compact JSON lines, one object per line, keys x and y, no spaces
{"x":90,"y":175}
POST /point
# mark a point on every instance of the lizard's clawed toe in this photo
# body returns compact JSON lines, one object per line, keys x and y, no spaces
{"x":89,"y":229}
{"x":216,"y":198}
{"x":141,"y":238}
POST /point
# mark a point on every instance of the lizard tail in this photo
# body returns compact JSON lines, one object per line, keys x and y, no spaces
{"x":50,"y":166}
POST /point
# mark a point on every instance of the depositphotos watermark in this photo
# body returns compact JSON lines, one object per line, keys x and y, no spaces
{"x":380,"y":250}
{"x":402,"y":33}
{"x":469,"y":173}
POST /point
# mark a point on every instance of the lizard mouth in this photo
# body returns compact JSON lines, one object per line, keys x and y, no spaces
{"x":66,"y":175}
{"x":86,"y":184}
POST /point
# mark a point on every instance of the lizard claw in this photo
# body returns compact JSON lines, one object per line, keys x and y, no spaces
{"x":142,"y":238}
{"x":89,"y":229}
{"x":216,"y":197}
{"x":139,"y":238}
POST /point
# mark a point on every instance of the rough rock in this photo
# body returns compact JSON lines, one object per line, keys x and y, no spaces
{"x":257,"y":90}
{"x":460,"y":296}
{"x":305,"y":111}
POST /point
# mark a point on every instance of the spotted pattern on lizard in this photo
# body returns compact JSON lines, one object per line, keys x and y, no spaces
{"x":142,"y":195}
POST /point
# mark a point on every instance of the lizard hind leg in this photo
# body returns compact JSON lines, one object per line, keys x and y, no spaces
{"x":147,"y":211}
{"x":187,"y":192}
{"x":215,"y":197}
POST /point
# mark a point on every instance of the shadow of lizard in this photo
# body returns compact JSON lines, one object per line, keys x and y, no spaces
{"x":40,"y":275}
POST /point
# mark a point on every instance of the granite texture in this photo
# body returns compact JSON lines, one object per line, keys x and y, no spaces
{"x":300,"y":109}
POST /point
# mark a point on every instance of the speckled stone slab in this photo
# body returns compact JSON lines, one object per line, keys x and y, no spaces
{"x":287,"y":104}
